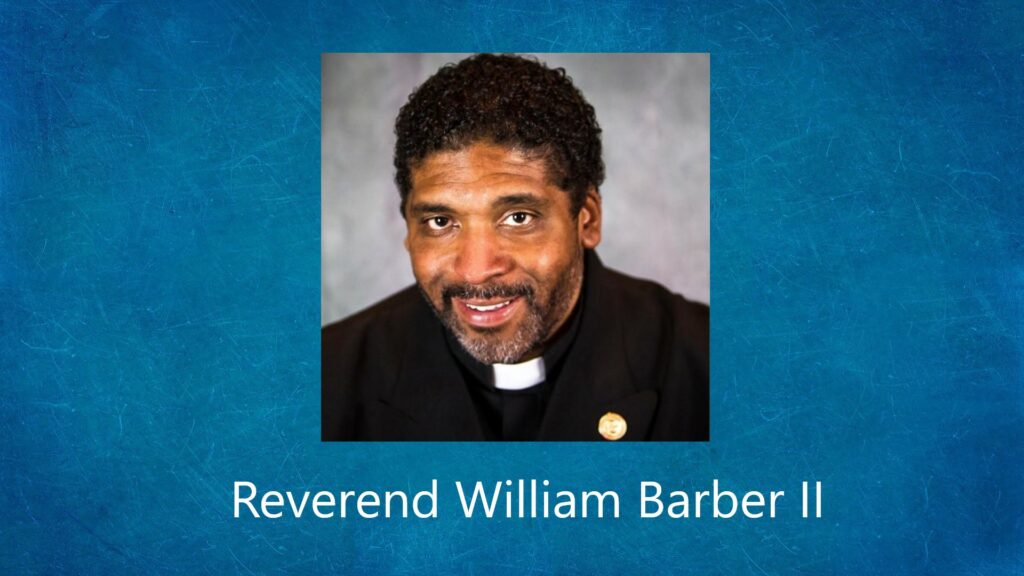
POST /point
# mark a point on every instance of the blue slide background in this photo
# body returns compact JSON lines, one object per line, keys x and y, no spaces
{"x":159,"y":289}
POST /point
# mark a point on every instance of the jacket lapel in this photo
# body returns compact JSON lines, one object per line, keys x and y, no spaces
{"x":595,"y":378}
{"x":429,"y":394}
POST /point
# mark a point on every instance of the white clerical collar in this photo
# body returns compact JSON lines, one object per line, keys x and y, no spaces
{"x":519,"y":376}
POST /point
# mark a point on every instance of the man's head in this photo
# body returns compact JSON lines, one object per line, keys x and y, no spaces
{"x":498,"y":161}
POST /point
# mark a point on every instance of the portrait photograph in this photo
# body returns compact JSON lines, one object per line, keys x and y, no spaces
{"x":515,"y":247}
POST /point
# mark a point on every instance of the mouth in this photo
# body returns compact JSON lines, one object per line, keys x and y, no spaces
{"x":491,"y":313}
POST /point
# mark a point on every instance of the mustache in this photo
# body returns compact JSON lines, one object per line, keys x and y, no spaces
{"x":487,"y":291}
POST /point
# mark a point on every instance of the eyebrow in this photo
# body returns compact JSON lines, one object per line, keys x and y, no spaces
{"x":502,"y":203}
{"x":421,"y":208}
{"x":515,"y":200}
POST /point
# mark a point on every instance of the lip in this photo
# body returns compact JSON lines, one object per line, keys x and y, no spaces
{"x":489,"y":314}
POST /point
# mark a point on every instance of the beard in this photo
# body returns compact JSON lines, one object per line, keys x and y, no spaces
{"x":546,"y":306}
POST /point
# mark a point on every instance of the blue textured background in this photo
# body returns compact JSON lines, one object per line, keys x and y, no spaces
{"x":159,"y":282}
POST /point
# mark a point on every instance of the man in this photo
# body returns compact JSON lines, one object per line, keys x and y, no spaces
{"x":514,"y":329}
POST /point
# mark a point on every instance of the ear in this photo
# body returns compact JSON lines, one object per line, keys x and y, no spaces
{"x":589,"y":221}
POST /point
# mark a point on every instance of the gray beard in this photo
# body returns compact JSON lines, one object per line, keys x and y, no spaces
{"x":487,"y":346}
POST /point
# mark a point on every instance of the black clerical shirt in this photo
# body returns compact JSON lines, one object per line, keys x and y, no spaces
{"x":514,"y":414}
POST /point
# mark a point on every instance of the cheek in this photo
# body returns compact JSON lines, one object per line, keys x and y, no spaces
{"x":544,"y":263}
{"x":549,"y":261}
{"x":427,"y":265}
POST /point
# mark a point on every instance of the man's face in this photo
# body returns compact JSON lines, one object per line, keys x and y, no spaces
{"x":496,"y":250}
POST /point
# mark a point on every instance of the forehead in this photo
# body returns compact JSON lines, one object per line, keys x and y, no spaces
{"x":478,"y":168}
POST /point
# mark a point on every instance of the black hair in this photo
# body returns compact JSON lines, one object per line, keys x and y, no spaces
{"x":508,"y":100}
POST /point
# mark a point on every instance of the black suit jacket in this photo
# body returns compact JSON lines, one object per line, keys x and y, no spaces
{"x":641,"y":352}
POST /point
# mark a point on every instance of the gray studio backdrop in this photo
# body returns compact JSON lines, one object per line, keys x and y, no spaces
{"x":653,"y":110}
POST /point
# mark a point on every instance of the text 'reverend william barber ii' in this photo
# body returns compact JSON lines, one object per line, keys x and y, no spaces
{"x":520,"y":499}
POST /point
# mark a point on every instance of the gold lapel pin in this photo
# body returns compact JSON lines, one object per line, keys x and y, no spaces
{"x":612,"y":426}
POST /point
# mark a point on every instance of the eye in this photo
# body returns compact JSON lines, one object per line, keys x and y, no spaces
{"x":438,"y":222}
{"x":518,"y":219}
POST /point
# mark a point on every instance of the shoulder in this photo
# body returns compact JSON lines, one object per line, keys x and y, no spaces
{"x":389,"y":317}
{"x":659,"y":328}
{"x":367,"y":346}
{"x":647,"y":303}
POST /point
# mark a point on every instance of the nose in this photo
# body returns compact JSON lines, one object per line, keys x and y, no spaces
{"x":480,"y":257}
